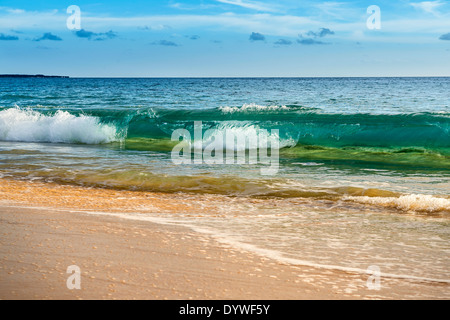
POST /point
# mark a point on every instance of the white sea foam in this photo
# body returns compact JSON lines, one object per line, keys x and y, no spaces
{"x":249,"y":137}
{"x":252,"y":107}
{"x":411,"y":202}
{"x":309,"y":164}
{"x":26,"y":125}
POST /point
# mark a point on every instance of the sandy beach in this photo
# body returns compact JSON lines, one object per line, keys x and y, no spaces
{"x":225,"y":150}
{"x":42,"y":233}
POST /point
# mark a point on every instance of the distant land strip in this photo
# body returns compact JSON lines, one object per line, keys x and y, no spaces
{"x":29,"y":76}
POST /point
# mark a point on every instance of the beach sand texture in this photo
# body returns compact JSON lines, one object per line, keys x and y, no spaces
{"x":43,"y":232}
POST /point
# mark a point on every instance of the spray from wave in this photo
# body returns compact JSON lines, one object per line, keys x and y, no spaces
{"x":249,"y":137}
{"x":27,"y":125}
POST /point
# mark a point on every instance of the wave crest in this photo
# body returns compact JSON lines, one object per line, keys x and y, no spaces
{"x":252,"y":107}
{"x":252,"y":137}
{"x":27,"y":125}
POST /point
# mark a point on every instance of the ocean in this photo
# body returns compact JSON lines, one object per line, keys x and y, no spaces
{"x":364,"y":163}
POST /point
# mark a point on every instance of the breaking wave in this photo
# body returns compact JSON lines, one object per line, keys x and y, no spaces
{"x":27,"y":125}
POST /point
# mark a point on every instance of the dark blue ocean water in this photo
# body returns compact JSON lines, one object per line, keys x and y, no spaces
{"x":334,"y":95}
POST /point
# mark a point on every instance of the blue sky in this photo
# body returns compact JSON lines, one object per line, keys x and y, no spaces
{"x":225,"y":38}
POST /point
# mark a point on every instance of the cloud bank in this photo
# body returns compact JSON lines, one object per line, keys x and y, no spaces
{"x":255,"y":36}
{"x":445,"y":36}
{"x":165,"y":43}
{"x":313,"y":35}
{"x":5,"y":37}
{"x":48,"y":36}
{"x":95,"y":36}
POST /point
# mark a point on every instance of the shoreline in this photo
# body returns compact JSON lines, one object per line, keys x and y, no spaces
{"x":131,"y":259}
{"x":122,"y":259}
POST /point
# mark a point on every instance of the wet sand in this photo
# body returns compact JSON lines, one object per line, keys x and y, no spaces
{"x":45,"y":228}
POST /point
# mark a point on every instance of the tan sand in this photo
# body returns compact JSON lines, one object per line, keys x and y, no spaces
{"x":128,"y":259}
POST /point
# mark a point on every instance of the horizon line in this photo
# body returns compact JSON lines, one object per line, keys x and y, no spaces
{"x":204,"y":77}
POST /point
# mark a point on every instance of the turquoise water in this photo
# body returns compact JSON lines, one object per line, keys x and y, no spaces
{"x":367,"y":157}
{"x":347,"y":133}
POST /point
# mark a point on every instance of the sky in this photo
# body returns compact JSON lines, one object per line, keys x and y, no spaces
{"x":225,"y":38}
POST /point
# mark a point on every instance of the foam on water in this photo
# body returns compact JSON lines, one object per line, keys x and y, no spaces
{"x":27,"y":125}
{"x":253,"y":107}
{"x":410,"y":202}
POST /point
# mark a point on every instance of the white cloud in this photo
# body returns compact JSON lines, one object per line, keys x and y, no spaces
{"x":51,"y":20}
{"x":249,"y":5}
{"x":16,"y":11}
{"x":176,"y":5}
{"x":191,"y":7}
{"x":428,"y":6}
{"x":12,"y":10}
{"x":275,"y":25}
{"x":337,"y":10}
{"x":241,"y":23}
{"x":279,"y":25}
